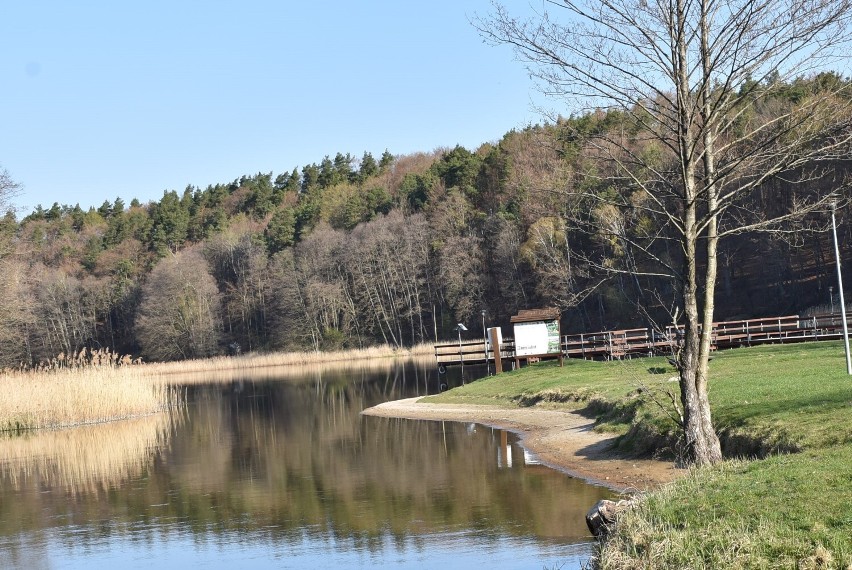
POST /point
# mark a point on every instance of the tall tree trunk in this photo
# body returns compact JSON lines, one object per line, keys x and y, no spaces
{"x":702,"y":445}
{"x":712,"y":448}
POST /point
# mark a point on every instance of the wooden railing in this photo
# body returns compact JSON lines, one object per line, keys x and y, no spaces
{"x":609,"y":345}
{"x":471,"y":352}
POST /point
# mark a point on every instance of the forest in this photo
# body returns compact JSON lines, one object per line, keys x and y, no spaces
{"x":352,"y":252}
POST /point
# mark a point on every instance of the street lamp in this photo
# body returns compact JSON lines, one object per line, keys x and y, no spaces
{"x":831,"y":300}
{"x":485,"y":344}
{"x":460,"y":327}
{"x":840,"y":290}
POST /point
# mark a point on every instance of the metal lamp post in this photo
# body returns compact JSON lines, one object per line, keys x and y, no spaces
{"x":831,"y":300}
{"x":485,"y":344}
{"x":840,"y":290}
{"x":460,"y":327}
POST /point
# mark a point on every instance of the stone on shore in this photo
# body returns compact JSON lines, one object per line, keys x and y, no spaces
{"x":603,"y":515}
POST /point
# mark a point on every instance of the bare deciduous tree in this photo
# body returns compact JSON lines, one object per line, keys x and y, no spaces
{"x":239,"y":264}
{"x":508,"y":278}
{"x":701,"y":83}
{"x":15,"y":301}
{"x":562,"y":281}
{"x":387,"y":261}
{"x":460,"y":274}
{"x":8,"y":188}
{"x":291,"y":321}
{"x":180,"y":313}
{"x":323,"y":287}
{"x":16,"y":313}
{"x":64,"y":313}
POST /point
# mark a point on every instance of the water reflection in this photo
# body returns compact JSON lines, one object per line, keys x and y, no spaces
{"x":89,"y":459}
{"x":288,"y":473}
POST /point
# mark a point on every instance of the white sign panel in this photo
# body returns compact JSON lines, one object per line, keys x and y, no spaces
{"x":536,"y":338}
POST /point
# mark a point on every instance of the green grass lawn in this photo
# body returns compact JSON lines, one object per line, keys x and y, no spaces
{"x":789,"y":404}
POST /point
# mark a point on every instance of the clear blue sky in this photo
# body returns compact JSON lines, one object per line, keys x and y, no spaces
{"x":104,"y":99}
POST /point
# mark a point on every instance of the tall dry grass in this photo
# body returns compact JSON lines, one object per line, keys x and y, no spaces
{"x":230,"y":373}
{"x":285,"y":360}
{"x":70,"y":397}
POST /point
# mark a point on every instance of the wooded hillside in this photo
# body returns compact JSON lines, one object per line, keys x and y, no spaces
{"x":356,"y":251}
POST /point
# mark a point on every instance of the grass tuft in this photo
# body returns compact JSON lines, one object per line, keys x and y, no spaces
{"x":761,"y":514}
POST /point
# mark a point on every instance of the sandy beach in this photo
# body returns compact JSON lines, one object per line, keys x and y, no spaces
{"x":564,"y":440}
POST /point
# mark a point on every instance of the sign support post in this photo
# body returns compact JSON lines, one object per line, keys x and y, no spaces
{"x":495,"y":346}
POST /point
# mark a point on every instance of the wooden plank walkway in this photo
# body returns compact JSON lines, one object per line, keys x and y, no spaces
{"x":627,"y":343}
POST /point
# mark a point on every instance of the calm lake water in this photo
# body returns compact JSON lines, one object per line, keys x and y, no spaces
{"x":283,"y":472}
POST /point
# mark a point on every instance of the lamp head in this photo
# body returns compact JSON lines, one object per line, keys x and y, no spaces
{"x":460,"y":327}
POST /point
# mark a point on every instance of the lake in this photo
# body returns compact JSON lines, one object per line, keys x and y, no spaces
{"x":280,"y":470}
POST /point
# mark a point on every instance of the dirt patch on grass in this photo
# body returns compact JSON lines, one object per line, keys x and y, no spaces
{"x":562,"y":439}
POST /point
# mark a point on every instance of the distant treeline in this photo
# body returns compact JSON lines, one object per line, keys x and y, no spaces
{"x":356,"y":251}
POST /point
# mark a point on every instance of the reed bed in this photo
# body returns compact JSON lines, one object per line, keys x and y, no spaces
{"x":234,"y":372}
{"x":64,"y":396}
{"x":285,"y":360}
{"x":70,"y":397}
{"x":87,"y":459}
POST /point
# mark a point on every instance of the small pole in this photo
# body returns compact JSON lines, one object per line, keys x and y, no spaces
{"x":461,"y":357}
{"x":485,"y":345}
{"x":840,"y":290}
{"x":831,"y":298}
{"x":460,"y":327}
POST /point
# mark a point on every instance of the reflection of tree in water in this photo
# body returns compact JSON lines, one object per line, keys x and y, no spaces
{"x":291,"y":459}
{"x":243,"y":422}
{"x":320,"y":464}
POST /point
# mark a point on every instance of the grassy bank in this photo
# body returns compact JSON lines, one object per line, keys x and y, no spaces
{"x":788,"y":409}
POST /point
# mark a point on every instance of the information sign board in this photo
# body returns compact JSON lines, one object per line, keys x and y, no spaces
{"x":537,"y":338}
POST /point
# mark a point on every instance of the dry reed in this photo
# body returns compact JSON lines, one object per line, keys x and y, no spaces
{"x":290,"y":359}
{"x":69,"y":397}
{"x":251,"y":370}
{"x":85,"y":358}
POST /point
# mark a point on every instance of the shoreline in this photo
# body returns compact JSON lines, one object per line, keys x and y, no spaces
{"x":563,"y":440}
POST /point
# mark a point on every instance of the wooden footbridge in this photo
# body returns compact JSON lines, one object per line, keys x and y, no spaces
{"x":628,"y":343}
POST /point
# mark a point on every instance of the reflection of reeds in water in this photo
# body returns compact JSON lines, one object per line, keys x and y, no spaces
{"x":84,"y":459}
{"x":270,"y":366}
{"x":69,"y":397}
{"x":79,"y":396}
{"x":254,"y":360}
